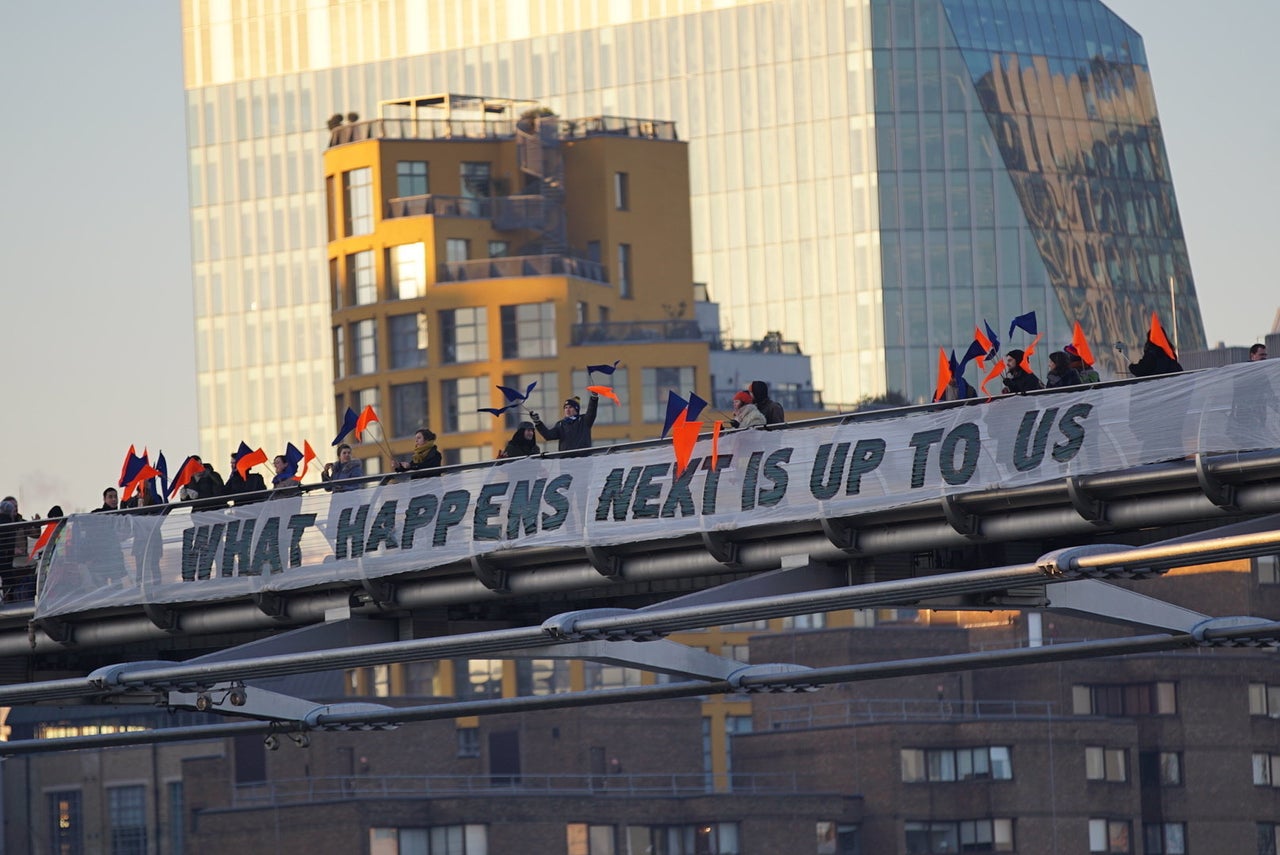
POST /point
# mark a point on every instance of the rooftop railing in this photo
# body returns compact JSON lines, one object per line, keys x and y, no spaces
{"x":496,"y":129}
{"x":304,"y":790}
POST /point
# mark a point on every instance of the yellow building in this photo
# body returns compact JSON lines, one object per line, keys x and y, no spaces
{"x":477,"y":242}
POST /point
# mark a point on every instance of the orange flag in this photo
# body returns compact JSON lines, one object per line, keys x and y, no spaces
{"x":715,"y":444}
{"x":1158,"y":338}
{"x":605,"y":392}
{"x":944,"y":374}
{"x":43,"y":540}
{"x":684,"y":436}
{"x":996,"y":367}
{"x":1081,"y":346}
{"x":308,"y":454}
{"x":366,"y":416}
{"x":1025,"y":364}
{"x":248,"y":461}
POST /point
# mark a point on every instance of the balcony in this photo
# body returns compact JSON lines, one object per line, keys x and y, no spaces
{"x":435,"y":205}
{"x":771,"y":343}
{"x":635,"y":332}
{"x":521,"y":265}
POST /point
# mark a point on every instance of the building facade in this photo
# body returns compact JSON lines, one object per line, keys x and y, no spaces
{"x":874,"y":178}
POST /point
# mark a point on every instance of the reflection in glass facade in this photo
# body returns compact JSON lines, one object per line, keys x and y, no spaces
{"x":870,"y":176}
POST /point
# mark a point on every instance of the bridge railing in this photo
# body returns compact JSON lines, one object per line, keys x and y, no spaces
{"x":304,"y":790}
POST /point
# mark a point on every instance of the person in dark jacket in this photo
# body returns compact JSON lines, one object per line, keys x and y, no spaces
{"x":237,"y":483}
{"x":574,"y":430}
{"x":425,"y":454}
{"x":521,"y":443}
{"x":1016,"y":380}
{"x":1060,"y":371}
{"x":1154,"y":361}
{"x":769,"y":408}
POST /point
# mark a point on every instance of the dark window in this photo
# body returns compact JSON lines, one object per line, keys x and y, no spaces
{"x":408,"y":334}
{"x":621,"y":192}
{"x":127,"y":812}
{"x":624,"y":270}
{"x":408,"y":408}
{"x":412,"y":178}
{"x":66,"y":824}
{"x":475,"y":180}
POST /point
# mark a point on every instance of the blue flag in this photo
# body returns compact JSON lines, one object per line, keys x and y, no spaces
{"x":675,"y":406}
{"x":348,"y":425}
{"x":603,"y":369}
{"x":696,"y":406}
{"x":1025,"y":322}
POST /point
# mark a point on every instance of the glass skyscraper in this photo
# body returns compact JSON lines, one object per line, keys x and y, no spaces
{"x":873,"y":177}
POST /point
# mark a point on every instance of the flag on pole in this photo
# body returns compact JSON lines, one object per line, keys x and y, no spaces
{"x":1081,"y":346}
{"x":308,"y":454}
{"x":944,"y":375}
{"x":366,"y":416}
{"x":348,"y":425}
{"x":1158,"y":338}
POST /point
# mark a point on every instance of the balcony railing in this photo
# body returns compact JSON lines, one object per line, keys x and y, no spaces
{"x":495,"y":129}
{"x":889,"y":710}
{"x":771,"y":343}
{"x":522,"y":265}
{"x":433,"y":204}
{"x":635,"y":332}
{"x":303,"y":790}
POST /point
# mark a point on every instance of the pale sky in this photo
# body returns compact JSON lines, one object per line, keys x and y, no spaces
{"x":96,"y":331}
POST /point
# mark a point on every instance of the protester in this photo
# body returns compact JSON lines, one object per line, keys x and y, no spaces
{"x":522,"y":442}
{"x":1017,"y":380}
{"x":110,"y":500}
{"x":574,"y":430}
{"x":1257,"y":353}
{"x":346,"y":468}
{"x":769,"y":408}
{"x":425,"y":454}
{"x":237,"y":483}
{"x":1060,"y":372}
{"x":1154,"y":361}
{"x":745,"y":412}
{"x":1087,"y":373}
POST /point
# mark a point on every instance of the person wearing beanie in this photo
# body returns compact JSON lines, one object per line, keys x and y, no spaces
{"x":745,"y":413}
{"x":1016,"y":380}
{"x":574,"y":430}
{"x":522,"y":442}
{"x":769,"y":408}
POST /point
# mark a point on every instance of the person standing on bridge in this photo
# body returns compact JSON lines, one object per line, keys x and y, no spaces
{"x":1017,"y":379}
{"x":574,"y":430}
{"x":1154,"y":361}
{"x":521,"y":443}
{"x":1060,"y":371}
{"x":745,"y":413}
{"x":769,"y":408}
{"x":347,"y":467}
{"x":425,"y":454}
{"x":1087,"y":373}
{"x":1257,"y":353}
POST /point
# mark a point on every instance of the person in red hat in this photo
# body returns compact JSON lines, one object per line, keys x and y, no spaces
{"x":745,"y":413}
{"x":1088,"y":374}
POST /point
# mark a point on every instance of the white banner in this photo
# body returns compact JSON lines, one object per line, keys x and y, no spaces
{"x":616,"y":495}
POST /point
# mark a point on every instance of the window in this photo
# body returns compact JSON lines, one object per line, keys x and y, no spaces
{"x":335,"y":285}
{"x":66,"y":825}
{"x":475,"y":180}
{"x":608,"y":413}
{"x":477,"y":678}
{"x":656,"y":383}
{"x":422,"y":679}
{"x":584,"y":839}
{"x":956,"y":764}
{"x":413,"y":178}
{"x":461,"y":398}
{"x":597,"y":675}
{"x":366,"y":346}
{"x":1268,"y":569}
{"x":580,"y":312}
{"x":1266,"y":770}
{"x":357,"y":201}
{"x":544,"y":400}
{"x":624,"y":270}
{"x":838,"y":839}
{"x":407,"y":269}
{"x":339,"y":352}
{"x":976,"y":835}
{"x":542,"y":676}
{"x":528,"y":331}
{"x":703,"y":838}
{"x":457,"y":249}
{"x":1268,"y":838}
{"x":436,"y":840}
{"x":1105,"y":764}
{"x":1109,"y":835}
{"x":817,"y":620}
{"x":1160,"y":768}
{"x":127,"y":812}
{"x":1165,"y":838}
{"x":499,"y":248}
{"x":408,"y":408}
{"x":362,"y":279}
{"x":1264,"y":700}
{"x":408,"y":340}
{"x":177,"y":818}
{"x":621,"y":192}
{"x":464,"y":335}
{"x":468,"y":742}
{"x":733,"y":724}
{"x":1125,"y":700}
